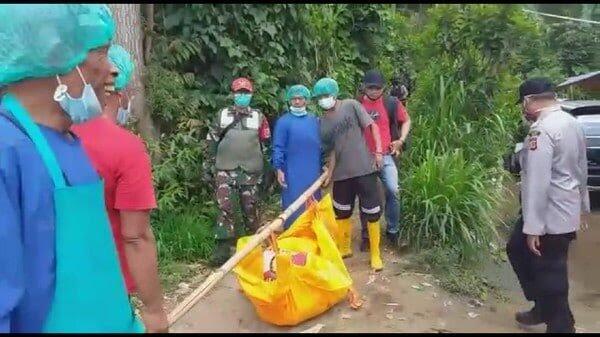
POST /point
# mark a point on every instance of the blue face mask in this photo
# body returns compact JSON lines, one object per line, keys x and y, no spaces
{"x":242,"y":100}
{"x":298,"y":111}
{"x":81,"y":109}
{"x":123,"y":114}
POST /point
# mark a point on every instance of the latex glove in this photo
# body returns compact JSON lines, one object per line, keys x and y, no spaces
{"x":281,"y":178}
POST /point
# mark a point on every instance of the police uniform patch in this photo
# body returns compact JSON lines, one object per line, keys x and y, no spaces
{"x":533,"y":143}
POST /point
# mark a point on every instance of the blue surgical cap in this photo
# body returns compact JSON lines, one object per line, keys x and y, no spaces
{"x":43,"y":40}
{"x":326,"y":86}
{"x":121,"y":59}
{"x":297,"y":90}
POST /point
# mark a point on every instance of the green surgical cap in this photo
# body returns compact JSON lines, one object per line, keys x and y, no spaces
{"x":297,"y":90}
{"x":43,"y":40}
{"x":326,"y":86}
{"x":121,"y":59}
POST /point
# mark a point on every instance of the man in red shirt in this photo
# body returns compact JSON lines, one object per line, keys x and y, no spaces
{"x":394,"y":124}
{"x":121,"y":159}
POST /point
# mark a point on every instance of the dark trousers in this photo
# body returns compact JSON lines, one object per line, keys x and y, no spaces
{"x":544,"y":279}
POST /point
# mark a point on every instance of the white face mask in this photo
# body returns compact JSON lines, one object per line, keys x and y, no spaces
{"x":327,"y":102}
{"x":301,"y":111}
{"x":123,"y":114}
{"x":79,"y":109}
{"x":525,"y":121}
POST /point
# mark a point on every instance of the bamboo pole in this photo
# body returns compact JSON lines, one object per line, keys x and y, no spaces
{"x":217,"y":275}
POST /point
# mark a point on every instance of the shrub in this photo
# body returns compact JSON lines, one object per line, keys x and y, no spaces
{"x":179,"y":152}
{"x":507,"y":36}
{"x":577,"y":46}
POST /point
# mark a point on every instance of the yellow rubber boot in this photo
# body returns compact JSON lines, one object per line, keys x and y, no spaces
{"x":345,"y":237}
{"x":374,"y":239}
{"x":339,"y":235}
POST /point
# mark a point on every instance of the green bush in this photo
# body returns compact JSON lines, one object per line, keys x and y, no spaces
{"x":449,"y":203}
{"x":507,"y":36}
{"x":577,"y":46}
{"x":178,"y":150}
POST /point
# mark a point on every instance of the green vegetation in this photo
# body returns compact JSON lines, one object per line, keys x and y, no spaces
{"x":450,"y":203}
{"x":184,"y":236}
{"x":466,"y":62}
{"x":577,"y":47}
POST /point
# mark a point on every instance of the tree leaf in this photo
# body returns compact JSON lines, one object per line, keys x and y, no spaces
{"x":173,"y":19}
{"x":271,"y":29}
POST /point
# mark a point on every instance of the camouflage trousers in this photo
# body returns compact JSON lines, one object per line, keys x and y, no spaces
{"x":245,"y":185}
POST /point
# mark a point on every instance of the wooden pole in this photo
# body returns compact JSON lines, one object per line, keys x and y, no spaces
{"x":217,"y":275}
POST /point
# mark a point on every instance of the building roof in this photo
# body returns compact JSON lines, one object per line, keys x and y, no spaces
{"x":593,"y":76}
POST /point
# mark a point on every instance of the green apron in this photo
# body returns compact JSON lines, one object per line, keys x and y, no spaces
{"x":90,"y":294}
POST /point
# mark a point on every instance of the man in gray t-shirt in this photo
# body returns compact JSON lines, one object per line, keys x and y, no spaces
{"x":341,"y":131}
{"x":354,"y":167}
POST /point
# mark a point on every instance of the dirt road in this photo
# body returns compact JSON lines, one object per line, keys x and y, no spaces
{"x":394,"y":305}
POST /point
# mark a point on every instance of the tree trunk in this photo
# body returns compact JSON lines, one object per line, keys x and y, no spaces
{"x":128,"y":19}
{"x":149,"y":27}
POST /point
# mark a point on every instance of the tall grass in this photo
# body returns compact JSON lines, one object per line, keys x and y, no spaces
{"x":450,"y":204}
{"x":449,"y":112}
{"x":453,"y":180}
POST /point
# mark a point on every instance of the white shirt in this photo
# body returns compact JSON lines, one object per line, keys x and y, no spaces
{"x":554,"y":174}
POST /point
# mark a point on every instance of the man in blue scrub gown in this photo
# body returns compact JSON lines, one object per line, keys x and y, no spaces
{"x":297,"y":150}
{"x":27,"y":222}
{"x":42,"y":46}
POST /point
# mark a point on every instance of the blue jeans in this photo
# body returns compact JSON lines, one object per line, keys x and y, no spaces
{"x":389,"y":177}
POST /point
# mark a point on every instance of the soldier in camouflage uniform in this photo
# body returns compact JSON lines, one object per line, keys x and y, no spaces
{"x":235,"y":139}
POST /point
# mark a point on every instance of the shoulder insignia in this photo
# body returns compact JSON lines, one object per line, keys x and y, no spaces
{"x":533,"y":143}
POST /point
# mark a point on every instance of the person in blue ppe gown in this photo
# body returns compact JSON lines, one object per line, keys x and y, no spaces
{"x":296,"y":149}
{"x":58,"y":266}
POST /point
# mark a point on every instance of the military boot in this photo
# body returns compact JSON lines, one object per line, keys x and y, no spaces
{"x":222,"y":253}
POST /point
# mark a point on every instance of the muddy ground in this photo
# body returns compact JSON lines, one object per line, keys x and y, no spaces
{"x":400,"y":301}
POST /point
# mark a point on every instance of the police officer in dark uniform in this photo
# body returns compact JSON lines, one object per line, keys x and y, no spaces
{"x":554,"y":194}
